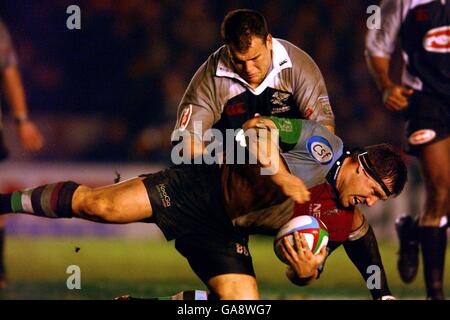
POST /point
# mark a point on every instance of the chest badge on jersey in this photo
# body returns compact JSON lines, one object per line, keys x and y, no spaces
{"x":320,"y":149}
{"x":279,"y":100}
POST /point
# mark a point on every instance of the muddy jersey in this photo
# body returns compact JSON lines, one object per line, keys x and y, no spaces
{"x":218,"y":97}
{"x":424,"y":30}
{"x":254,"y":203}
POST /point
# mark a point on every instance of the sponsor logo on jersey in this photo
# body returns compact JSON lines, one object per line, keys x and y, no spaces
{"x":185,"y":117}
{"x":320,"y":149}
{"x":280,"y":99}
{"x":421,"y":136}
{"x":324,"y":103}
{"x":283,"y":62}
{"x":235,"y":109}
{"x":165,"y":199}
{"x":308,"y":112}
{"x":437,"y":40}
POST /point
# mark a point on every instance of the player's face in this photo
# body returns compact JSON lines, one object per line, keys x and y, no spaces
{"x":253,"y":64}
{"x":360,"y":188}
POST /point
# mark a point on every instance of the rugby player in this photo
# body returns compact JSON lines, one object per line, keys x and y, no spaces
{"x":255,"y":73}
{"x":423,"y":98}
{"x":216,"y":207}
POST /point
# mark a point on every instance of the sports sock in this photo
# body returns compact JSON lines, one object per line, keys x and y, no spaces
{"x":364,"y":253}
{"x":50,"y":200}
{"x":433,"y":241}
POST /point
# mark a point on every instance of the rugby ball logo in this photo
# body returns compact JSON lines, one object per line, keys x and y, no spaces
{"x":437,"y":40}
{"x":320,"y":149}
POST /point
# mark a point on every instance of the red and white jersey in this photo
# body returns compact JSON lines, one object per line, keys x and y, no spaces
{"x":218,"y":97}
{"x":424,"y":30}
{"x":325,"y":206}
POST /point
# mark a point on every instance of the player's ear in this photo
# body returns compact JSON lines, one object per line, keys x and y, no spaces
{"x":269,"y":41}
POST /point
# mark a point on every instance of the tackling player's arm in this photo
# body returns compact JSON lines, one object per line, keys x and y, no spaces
{"x":362,"y":249}
{"x":265,"y":148}
{"x":309,"y":90}
{"x":198,"y":111}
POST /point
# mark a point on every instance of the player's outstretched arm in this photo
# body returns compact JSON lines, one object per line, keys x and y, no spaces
{"x":264,"y":147}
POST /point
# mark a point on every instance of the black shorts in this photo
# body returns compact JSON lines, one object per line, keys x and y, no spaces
{"x":187,"y":206}
{"x":427,"y":120}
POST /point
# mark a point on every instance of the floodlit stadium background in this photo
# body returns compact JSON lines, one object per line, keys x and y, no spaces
{"x":106,"y":97}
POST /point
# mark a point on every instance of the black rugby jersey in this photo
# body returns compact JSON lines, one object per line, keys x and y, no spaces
{"x":424,"y":30}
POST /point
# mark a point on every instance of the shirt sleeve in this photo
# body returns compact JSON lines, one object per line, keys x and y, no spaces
{"x":309,"y":90}
{"x":198,"y":109}
{"x":381,"y":42}
{"x":8,"y":56}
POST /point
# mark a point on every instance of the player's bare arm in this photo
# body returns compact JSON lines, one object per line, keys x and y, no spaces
{"x":28,"y":133}
{"x":395,"y":96}
{"x":268,"y":156}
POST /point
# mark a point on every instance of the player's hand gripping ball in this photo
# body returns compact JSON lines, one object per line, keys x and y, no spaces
{"x":314,"y":231}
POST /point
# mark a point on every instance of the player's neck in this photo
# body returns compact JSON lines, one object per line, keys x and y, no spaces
{"x":343,"y":173}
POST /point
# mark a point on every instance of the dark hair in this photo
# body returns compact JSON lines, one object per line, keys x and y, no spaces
{"x":389,"y":165}
{"x":240,"y":25}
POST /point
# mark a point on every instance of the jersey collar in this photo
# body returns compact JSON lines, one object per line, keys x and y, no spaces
{"x":280,"y":61}
{"x":335,"y":169}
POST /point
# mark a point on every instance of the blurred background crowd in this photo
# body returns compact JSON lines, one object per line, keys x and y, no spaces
{"x":110,"y":91}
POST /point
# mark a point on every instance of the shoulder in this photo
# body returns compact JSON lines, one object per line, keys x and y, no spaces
{"x":321,"y":144}
{"x":299,"y":58}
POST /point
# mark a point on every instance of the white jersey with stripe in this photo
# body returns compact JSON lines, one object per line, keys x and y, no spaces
{"x":218,"y":97}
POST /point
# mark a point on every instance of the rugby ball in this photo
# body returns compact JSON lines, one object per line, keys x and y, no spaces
{"x":314,"y":231}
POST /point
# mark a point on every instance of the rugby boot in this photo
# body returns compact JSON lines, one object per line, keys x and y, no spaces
{"x":408,"y":254}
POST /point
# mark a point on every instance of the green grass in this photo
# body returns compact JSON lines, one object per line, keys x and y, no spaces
{"x":111,"y":267}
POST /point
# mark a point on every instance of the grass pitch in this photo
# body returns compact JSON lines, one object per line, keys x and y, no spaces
{"x":112,"y":266}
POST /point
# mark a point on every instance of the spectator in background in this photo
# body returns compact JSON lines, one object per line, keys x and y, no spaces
{"x":29,"y":135}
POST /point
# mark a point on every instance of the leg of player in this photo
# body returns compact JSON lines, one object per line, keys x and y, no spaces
{"x":123,"y":202}
{"x":435,"y":163}
{"x":234,"y":287}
